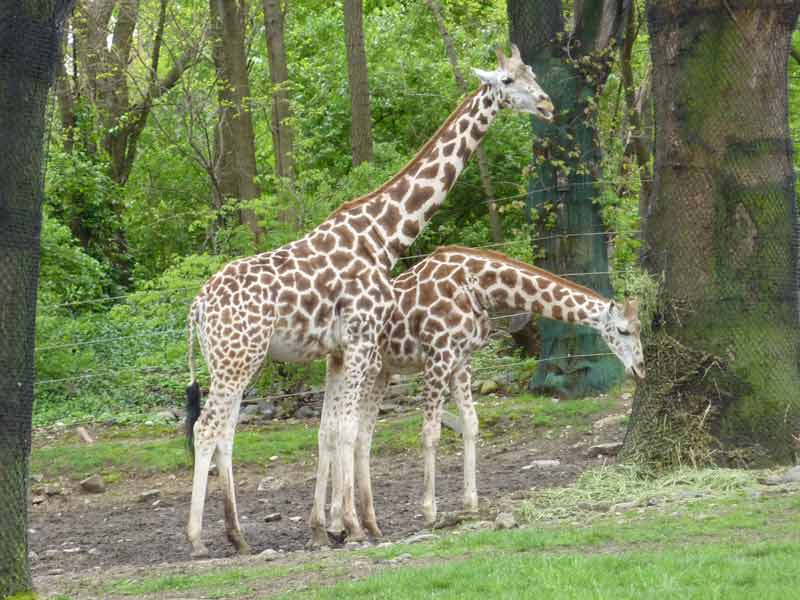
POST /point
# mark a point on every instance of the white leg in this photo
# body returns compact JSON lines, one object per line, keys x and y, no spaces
{"x":436,"y":379}
{"x":327,"y":451}
{"x":368,"y":416}
{"x":233,"y":528}
{"x":361,"y":365}
{"x":462,"y":395}
{"x":203,"y":451}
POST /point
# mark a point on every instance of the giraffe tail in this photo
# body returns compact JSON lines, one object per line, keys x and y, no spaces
{"x":193,"y":390}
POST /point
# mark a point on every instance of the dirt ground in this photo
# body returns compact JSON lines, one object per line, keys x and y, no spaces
{"x":115,"y":531}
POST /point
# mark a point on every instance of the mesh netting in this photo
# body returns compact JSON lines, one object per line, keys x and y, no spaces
{"x":28,"y":51}
{"x":721,"y":231}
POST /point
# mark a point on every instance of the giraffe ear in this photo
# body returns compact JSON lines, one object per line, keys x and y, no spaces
{"x":488,"y":77}
{"x":613,"y":309}
{"x":515,"y":53}
{"x":631,"y":308}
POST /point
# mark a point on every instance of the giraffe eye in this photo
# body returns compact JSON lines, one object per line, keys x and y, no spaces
{"x":623,"y":331}
{"x":507,"y":80}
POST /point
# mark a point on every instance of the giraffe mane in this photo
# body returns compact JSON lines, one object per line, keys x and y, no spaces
{"x":424,"y":150}
{"x":504,"y":258}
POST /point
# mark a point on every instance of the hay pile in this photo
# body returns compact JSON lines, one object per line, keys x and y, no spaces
{"x":677,"y":409}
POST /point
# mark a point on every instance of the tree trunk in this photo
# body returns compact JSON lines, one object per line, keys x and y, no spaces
{"x":279,"y":75}
{"x":562,"y":195}
{"x":361,"y":131}
{"x":235,"y":136}
{"x":30,"y":34}
{"x":723,"y":368}
{"x":480,"y":153}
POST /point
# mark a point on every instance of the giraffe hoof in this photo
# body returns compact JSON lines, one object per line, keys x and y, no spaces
{"x":357,"y":535}
{"x":199,"y":551}
{"x":338,"y":537}
{"x":372,"y":529}
{"x":244,"y":548}
{"x":319,"y":541}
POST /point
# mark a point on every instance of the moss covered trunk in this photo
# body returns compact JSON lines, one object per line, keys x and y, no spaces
{"x":723,"y":375}
{"x":562,"y":197}
{"x":29,"y":40}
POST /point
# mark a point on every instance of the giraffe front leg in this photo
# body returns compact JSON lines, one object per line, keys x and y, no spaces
{"x":368,"y":415}
{"x":233,"y":528}
{"x":203,"y":451}
{"x":462,"y":394}
{"x":362,"y":364}
{"x":435,"y":395}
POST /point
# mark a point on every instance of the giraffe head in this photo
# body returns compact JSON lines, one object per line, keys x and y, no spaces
{"x":516,"y":87}
{"x":620,"y":328}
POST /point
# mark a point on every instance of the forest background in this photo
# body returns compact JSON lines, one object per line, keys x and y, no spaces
{"x":143,"y":202}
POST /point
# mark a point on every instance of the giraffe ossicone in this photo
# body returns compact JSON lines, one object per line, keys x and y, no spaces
{"x":441,"y":317}
{"x":329,"y":294}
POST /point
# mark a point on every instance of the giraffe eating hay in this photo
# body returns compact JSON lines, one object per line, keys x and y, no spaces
{"x":329,"y":294}
{"x":441,"y":317}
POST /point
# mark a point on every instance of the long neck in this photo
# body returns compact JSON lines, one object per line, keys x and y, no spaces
{"x":510,"y":286}
{"x":393,"y":216}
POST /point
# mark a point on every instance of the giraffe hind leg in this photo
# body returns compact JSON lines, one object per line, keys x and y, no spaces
{"x":233,"y":528}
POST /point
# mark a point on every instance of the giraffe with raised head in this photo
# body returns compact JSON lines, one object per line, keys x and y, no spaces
{"x":329,"y":294}
{"x":441,"y":316}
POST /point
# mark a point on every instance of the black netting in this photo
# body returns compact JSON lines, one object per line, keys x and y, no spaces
{"x":721,"y":229}
{"x":29,"y":42}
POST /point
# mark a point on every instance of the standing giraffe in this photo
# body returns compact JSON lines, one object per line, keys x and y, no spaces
{"x":441,"y":316}
{"x":329,"y":294}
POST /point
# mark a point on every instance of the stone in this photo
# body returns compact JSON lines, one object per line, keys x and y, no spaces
{"x":93,"y":484}
{"x":37,"y":499}
{"x":84,"y":435}
{"x":420,"y":537}
{"x":295,"y":519}
{"x":32,"y":555}
{"x":609,"y":449}
{"x":790,"y":476}
{"x":505,"y":520}
{"x":267,"y":410}
{"x":249,"y":414}
{"x":399,"y":559}
{"x":488,"y":387}
{"x":451,"y":519}
{"x":269,"y":554}
{"x":272,"y":517}
{"x":453,"y":422}
{"x":304,"y":412}
{"x":37,"y":477}
{"x":55,"y":572}
{"x":620,"y":507}
{"x":213,"y":470}
{"x":166,"y":415}
{"x":149,"y":495}
{"x":609,"y":421}
{"x":542,"y":463}
{"x":595,"y":506}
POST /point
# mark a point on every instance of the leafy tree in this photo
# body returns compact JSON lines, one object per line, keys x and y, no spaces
{"x":723,"y":365}
{"x":573,"y":66}
{"x":30,"y":36}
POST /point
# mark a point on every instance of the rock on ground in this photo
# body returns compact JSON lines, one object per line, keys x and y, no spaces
{"x":93,"y":484}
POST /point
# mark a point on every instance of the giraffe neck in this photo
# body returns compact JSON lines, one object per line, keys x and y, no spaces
{"x":393,"y":216}
{"x":507,"y":284}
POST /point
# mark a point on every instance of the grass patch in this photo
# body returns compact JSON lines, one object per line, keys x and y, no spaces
{"x":218,"y":584}
{"x":289,"y":442}
{"x":740,"y":547}
{"x":730,"y":571}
